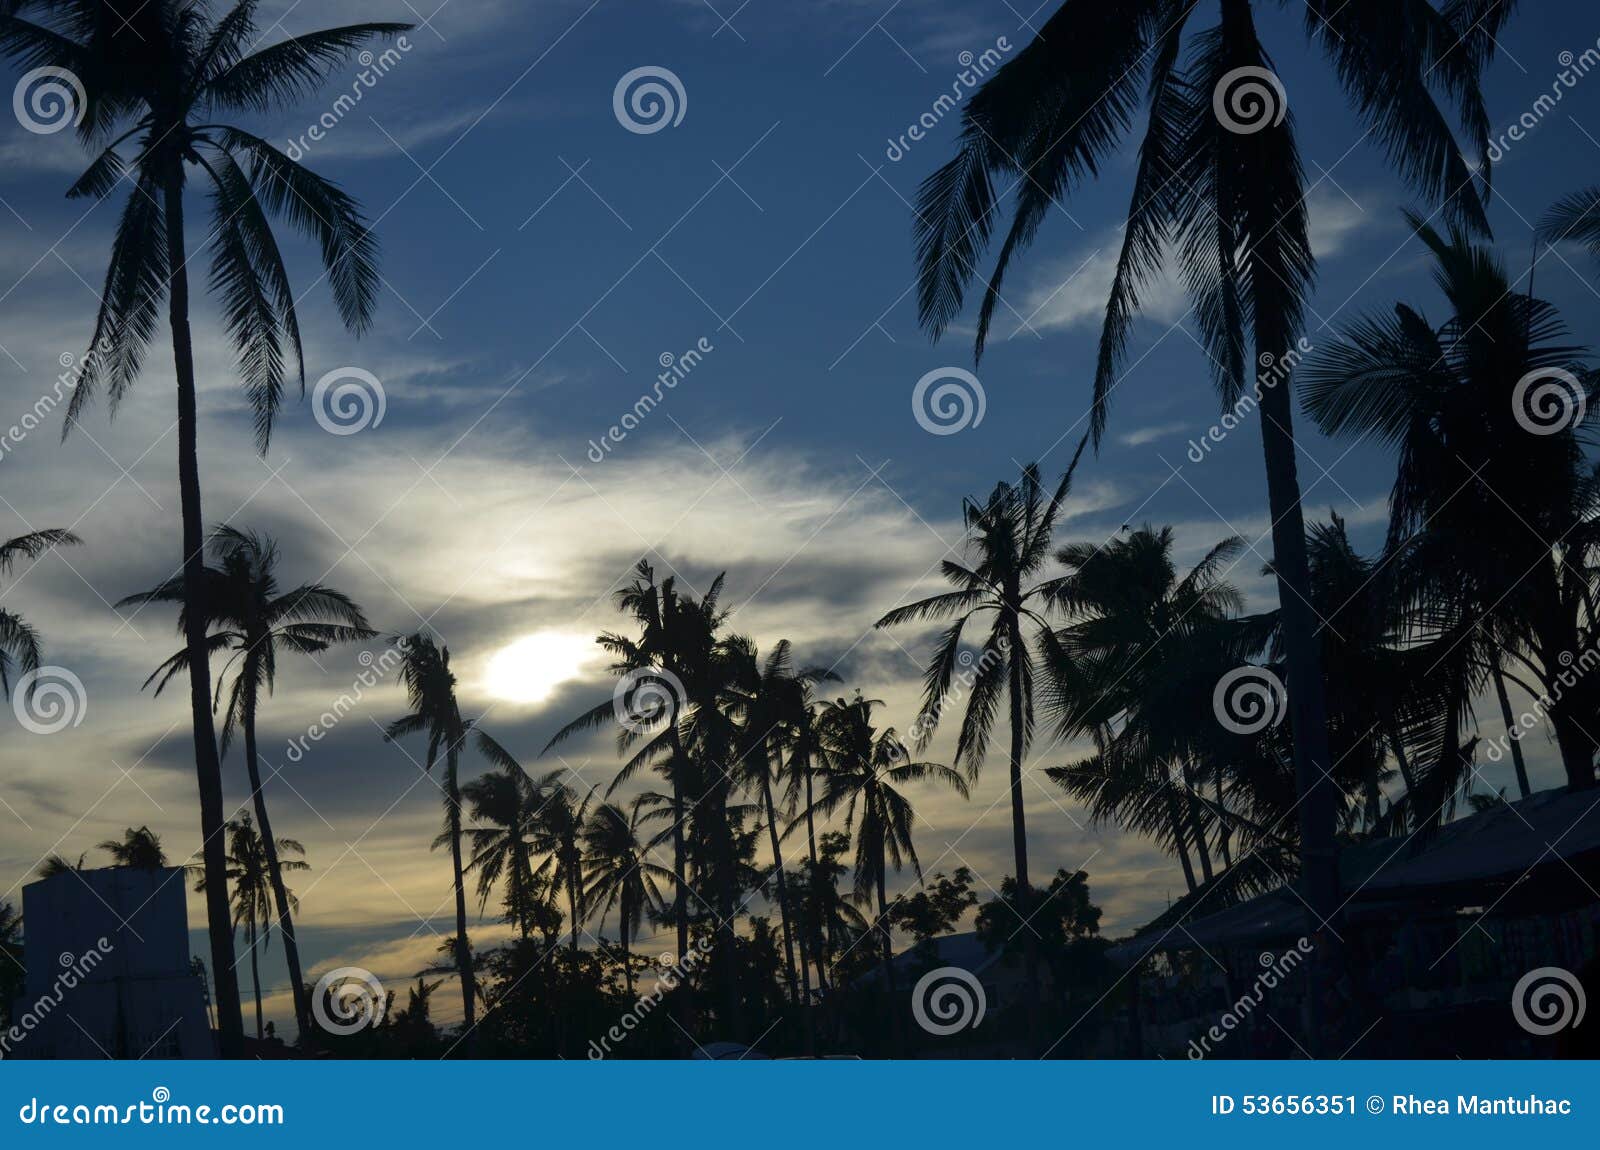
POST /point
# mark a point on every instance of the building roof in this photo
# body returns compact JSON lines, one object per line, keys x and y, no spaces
{"x":1483,"y":850}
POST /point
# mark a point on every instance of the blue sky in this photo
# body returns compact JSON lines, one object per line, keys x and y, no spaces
{"x":540,"y":259}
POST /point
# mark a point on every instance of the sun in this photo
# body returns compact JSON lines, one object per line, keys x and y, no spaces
{"x":530,"y":669}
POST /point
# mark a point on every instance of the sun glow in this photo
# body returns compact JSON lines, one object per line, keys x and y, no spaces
{"x":529,"y":670}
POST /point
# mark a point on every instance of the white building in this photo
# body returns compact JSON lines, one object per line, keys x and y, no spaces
{"x":108,"y":970}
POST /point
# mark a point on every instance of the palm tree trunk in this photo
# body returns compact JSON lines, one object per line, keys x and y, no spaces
{"x":1179,"y":841}
{"x":777,"y":869}
{"x":469,"y":988}
{"x":1197,"y":826}
{"x":280,"y":894}
{"x":1019,"y":827}
{"x":680,"y":884}
{"x":255,"y":980}
{"x":572,"y":906}
{"x":823,"y":949}
{"x":1319,"y":866}
{"x":1223,"y":835}
{"x":627,"y":966}
{"x":208,"y":770}
{"x":1512,"y":734}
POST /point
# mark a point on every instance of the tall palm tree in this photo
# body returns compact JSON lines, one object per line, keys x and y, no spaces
{"x":554,"y":829}
{"x":504,"y":805}
{"x":431,"y":691}
{"x":1220,"y":186}
{"x":253,"y":892}
{"x":19,"y":642}
{"x":618,"y":873}
{"x":1010,"y":535}
{"x":663,"y":644}
{"x":774,"y":697}
{"x":1138,"y":637}
{"x":799,"y":776}
{"x":863,"y":770}
{"x":252,"y":618}
{"x":1496,"y":547}
{"x":155,"y":74}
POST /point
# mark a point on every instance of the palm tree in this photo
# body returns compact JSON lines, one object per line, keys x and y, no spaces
{"x":254,"y":890}
{"x":137,"y":848}
{"x":1220,"y":186}
{"x":862,"y":771}
{"x":557,"y":833}
{"x":153,"y":77}
{"x":252,"y":618}
{"x":774,"y":699}
{"x":1495,"y":547}
{"x":504,"y":805}
{"x":55,"y":864}
{"x":431,"y":692}
{"x":664,"y":620}
{"x":1138,"y":638}
{"x":19,"y":642}
{"x":619,"y":873}
{"x":1010,"y":533}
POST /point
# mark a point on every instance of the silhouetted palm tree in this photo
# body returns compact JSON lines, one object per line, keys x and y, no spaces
{"x":431,"y":690}
{"x":1492,"y":520}
{"x":862,"y":772}
{"x":55,"y":864}
{"x":618,"y":873}
{"x":1138,"y":638}
{"x":253,"y":619}
{"x":138,"y":848}
{"x":1220,"y":187}
{"x":504,"y":804}
{"x":158,"y":73}
{"x":253,"y":891}
{"x":1010,"y":534}
{"x":664,"y":621}
{"x":774,"y":700}
{"x":19,"y":643}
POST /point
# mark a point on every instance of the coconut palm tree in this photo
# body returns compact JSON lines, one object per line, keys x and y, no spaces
{"x":19,"y":642}
{"x":251,"y":617}
{"x":431,"y":692}
{"x":618,"y":872}
{"x":254,"y":890}
{"x":1219,"y":186}
{"x":56,"y":864}
{"x":1010,"y":536}
{"x":862,"y":771}
{"x":653,"y":666}
{"x":139,"y":848}
{"x":504,"y":804}
{"x":157,"y":77}
{"x":1496,"y":547}
{"x":774,"y":700}
{"x":1138,"y":637}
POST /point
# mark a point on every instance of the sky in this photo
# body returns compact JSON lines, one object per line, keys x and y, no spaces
{"x":541,"y":264}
